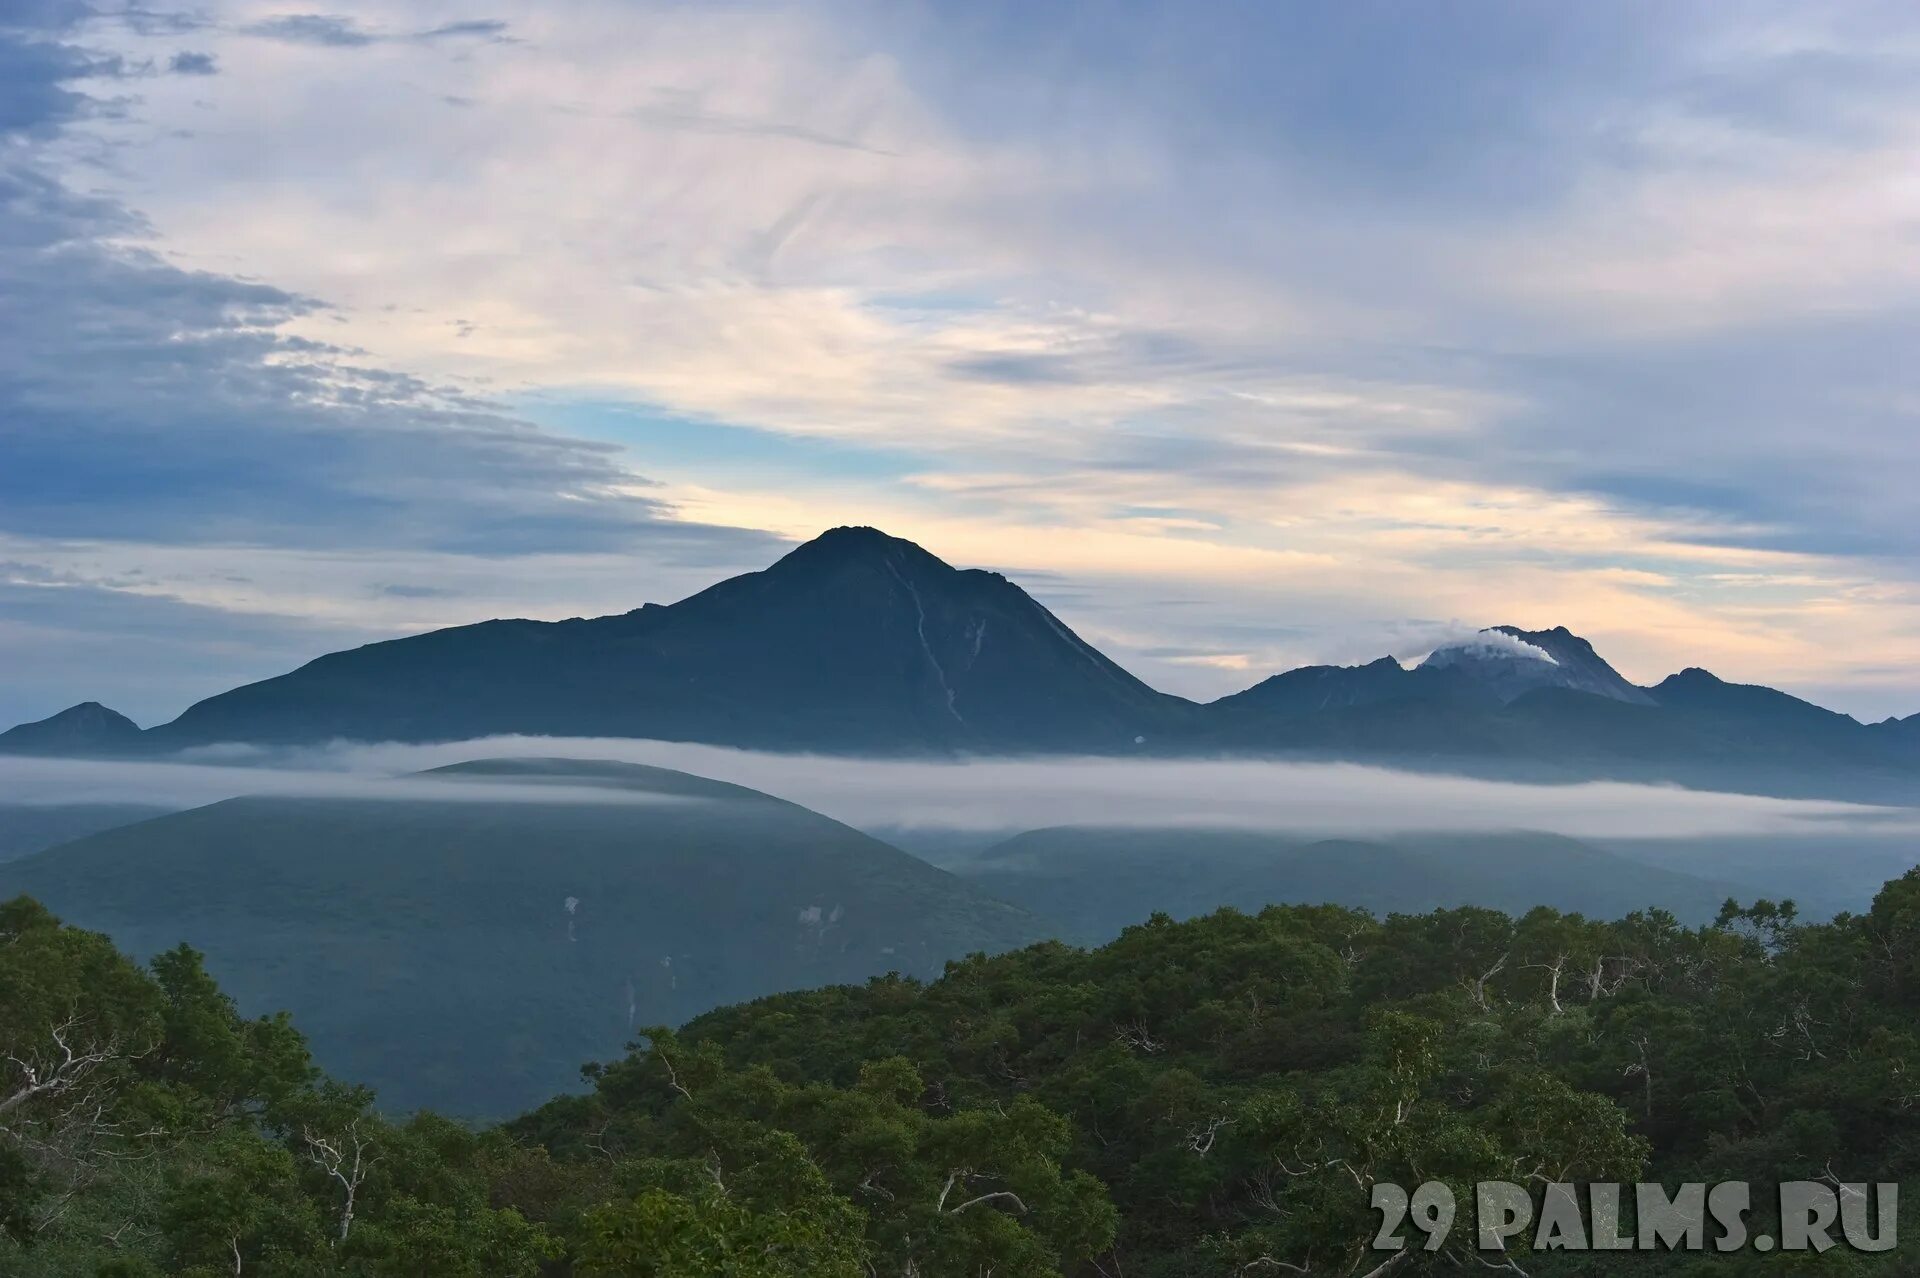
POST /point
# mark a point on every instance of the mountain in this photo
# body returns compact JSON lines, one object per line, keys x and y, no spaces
{"x":855,"y":641}
{"x":1902,"y":736}
{"x":1493,"y":668}
{"x":525,"y":914}
{"x":1092,"y":882}
{"x":1509,"y":662}
{"x":860,"y":643}
{"x":1764,"y":719}
{"x":1317,"y":689}
{"x":1543,"y":705}
{"x":86,"y":729}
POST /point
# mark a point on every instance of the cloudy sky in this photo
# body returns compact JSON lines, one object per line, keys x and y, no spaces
{"x":1244,"y":335}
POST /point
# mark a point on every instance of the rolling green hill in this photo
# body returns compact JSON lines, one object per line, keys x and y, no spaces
{"x":471,"y":952}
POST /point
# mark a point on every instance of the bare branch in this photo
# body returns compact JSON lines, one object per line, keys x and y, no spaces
{"x":987,"y":1198}
{"x":345,"y":1160}
{"x":1200,"y":1138}
{"x":58,"y":1072}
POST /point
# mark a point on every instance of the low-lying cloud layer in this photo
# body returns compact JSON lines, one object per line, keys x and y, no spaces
{"x":38,"y":782}
{"x":979,"y":794}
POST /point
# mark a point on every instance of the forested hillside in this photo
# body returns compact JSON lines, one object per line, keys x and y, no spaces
{"x":1206,"y":1098}
{"x":467,"y":918}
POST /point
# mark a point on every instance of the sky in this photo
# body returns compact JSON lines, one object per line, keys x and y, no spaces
{"x":1244,"y":335}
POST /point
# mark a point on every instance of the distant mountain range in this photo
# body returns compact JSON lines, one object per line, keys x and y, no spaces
{"x":857,"y":642}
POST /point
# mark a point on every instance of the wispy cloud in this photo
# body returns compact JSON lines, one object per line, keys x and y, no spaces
{"x":681,"y":109}
{"x":336,"y":32}
{"x":153,"y":410}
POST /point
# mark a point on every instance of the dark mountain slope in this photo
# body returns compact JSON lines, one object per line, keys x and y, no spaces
{"x":854,"y":641}
{"x":471,"y":952}
{"x":1766,"y":721}
{"x":86,"y":729}
{"x":1318,"y":689}
{"x":1902,"y":736}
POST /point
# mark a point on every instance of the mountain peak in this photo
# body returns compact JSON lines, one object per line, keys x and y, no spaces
{"x":861,"y":539}
{"x":1702,"y":692}
{"x":1558,"y":639}
{"x":88,"y":728}
{"x":856,"y":544}
{"x":1513,"y":662}
{"x":855,"y":534}
{"x":853,"y":641}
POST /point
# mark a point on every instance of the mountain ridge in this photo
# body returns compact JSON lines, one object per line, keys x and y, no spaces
{"x":856,"y":642}
{"x":852,"y":640}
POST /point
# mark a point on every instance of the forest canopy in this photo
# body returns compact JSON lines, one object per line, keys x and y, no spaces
{"x":1200,"y":1098}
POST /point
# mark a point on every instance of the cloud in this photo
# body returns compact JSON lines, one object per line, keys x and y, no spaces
{"x":146,"y":401}
{"x":177,"y":393}
{"x":403,"y":591}
{"x":1492,"y":642}
{"x":34,"y":99}
{"x":1019,"y":369}
{"x":335,"y":32}
{"x":38,"y":17}
{"x":985,"y":794}
{"x":682,"y":110}
{"x":144,"y":22}
{"x":63,"y":782}
{"x":150,"y":409}
{"x":471,"y":29}
{"x":1527,"y":312}
{"x":186,"y":62}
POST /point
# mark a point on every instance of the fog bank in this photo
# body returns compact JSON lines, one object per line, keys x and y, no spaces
{"x":975,"y":794}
